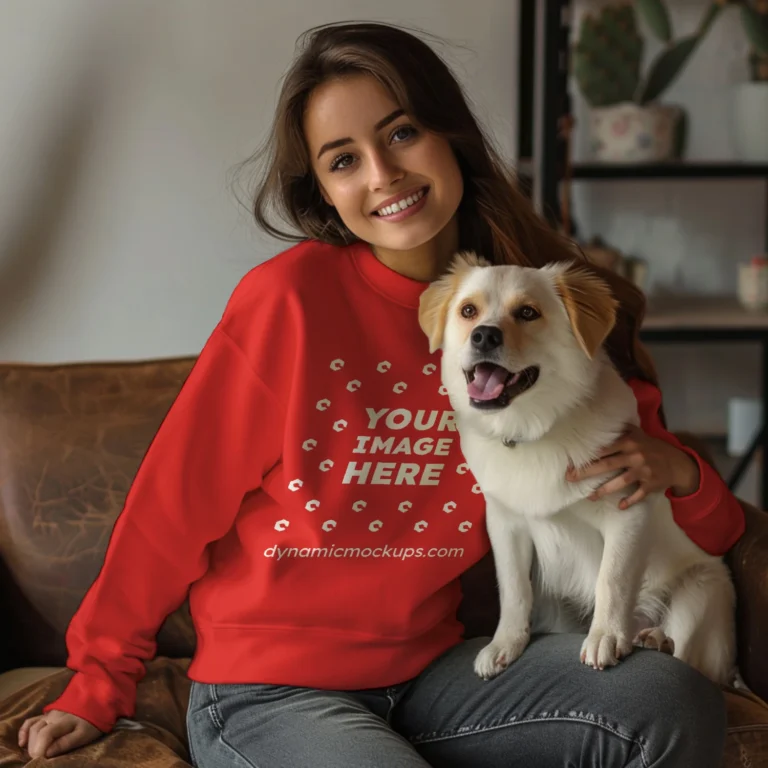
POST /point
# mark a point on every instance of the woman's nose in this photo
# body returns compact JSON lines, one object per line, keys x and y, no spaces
{"x":384,"y":171}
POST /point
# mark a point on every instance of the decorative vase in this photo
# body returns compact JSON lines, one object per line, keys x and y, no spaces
{"x":629,"y":133}
{"x":749,"y":121}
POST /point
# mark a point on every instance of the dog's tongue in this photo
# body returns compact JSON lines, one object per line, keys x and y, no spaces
{"x":488,"y":383}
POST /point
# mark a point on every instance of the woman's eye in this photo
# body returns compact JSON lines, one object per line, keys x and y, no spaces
{"x":403,"y":132}
{"x":400,"y":134}
{"x":342,"y":161}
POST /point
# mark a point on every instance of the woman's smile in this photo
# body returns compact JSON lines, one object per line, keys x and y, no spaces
{"x":402,"y":206}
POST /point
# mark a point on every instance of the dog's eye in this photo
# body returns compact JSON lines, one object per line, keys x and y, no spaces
{"x":527,"y":313}
{"x":468,"y":310}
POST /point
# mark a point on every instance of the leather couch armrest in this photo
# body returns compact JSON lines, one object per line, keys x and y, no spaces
{"x":7,"y":660}
{"x":748,"y":561}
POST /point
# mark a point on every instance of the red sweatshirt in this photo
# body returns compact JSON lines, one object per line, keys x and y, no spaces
{"x":308,"y":490}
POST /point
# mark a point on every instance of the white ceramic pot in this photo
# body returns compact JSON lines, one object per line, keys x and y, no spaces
{"x":629,"y":133}
{"x":749,"y":121}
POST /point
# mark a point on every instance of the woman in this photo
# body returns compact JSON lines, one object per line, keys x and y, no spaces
{"x":308,"y":491}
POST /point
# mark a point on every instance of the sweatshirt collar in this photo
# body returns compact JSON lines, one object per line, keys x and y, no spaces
{"x":393,"y":285}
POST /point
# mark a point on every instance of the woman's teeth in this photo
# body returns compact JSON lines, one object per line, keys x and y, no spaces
{"x":401,"y":205}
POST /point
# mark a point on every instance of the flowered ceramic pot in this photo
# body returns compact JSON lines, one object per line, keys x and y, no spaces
{"x":629,"y":133}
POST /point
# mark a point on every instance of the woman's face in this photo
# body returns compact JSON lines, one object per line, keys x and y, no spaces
{"x":393,"y":184}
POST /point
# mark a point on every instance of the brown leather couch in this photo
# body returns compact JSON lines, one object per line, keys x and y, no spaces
{"x":71,"y":439}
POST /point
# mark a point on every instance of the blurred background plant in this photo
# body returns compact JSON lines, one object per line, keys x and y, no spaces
{"x":608,"y":56}
{"x":628,"y":122}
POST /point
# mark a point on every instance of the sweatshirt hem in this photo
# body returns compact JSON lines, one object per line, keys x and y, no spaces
{"x":337,"y":661}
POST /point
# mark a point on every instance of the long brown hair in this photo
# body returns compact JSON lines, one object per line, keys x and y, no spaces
{"x":495,"y":219}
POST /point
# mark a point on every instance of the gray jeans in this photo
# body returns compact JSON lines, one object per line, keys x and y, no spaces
{"x":546,"y":709}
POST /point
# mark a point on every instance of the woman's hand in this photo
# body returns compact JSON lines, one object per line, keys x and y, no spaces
{"x":653,"y":464}
{"x":56,"y":733}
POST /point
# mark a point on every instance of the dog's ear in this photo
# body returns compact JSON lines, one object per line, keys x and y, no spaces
{"x":466,"y":260}
{"x":590,"y":305}
{"x":433,"y":309}
{"x":434,"y":302}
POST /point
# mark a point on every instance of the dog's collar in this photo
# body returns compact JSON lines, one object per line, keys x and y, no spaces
{"x":511,"y":442}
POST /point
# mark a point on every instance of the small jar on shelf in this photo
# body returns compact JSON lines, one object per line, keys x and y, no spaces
{"x":753,"y":284}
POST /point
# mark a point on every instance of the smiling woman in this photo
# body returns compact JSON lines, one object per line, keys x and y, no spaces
{"x":315,"y":420}
{"x":384,"y":170}
{"x":359,"y":130}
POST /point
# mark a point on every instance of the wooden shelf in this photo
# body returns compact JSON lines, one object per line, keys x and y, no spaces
{"x":671,"y":170}
{"x":702,"y":313}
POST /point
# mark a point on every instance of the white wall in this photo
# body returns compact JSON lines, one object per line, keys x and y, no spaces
{"x":119,"y":236}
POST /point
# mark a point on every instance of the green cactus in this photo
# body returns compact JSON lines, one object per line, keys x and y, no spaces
{"x":607,"y":57}
{"x":608,"y":54}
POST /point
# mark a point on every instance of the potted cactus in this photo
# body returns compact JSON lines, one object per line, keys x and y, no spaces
{"x":627,"y":121}
{"x":750,"y":108}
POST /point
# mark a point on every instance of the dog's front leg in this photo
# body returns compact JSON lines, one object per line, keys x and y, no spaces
{"x":513,"y":552}
{"x":618,"y":583}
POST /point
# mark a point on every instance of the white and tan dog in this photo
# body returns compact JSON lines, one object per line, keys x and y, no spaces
{"x":534,"y":391}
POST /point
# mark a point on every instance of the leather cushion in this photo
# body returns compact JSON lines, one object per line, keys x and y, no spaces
{"x":71,"y":440}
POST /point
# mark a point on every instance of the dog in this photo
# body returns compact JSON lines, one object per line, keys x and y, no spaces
{"x":534,"y":392}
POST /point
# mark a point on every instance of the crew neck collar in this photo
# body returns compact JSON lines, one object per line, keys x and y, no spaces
{"x":399,"y":288}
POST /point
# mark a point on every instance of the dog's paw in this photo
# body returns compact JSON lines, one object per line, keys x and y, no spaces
{"x":499,"y":654}
{"x":654,"y":638}
{"x":604,"y":648}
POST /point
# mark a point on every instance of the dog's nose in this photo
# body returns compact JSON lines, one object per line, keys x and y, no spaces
{"x":486,"y":338}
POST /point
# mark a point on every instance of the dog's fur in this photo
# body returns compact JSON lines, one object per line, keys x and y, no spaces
{"x":564,"y":562}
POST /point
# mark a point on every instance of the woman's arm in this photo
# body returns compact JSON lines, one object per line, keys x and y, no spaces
{"x":208,"y":453}
{"x":709,"y":513}
{"x":653,"y":460}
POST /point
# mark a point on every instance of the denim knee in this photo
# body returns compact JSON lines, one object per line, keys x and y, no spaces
{"x":689,"y":716}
